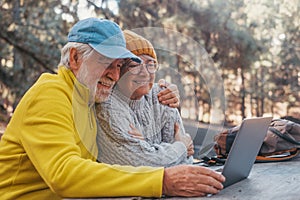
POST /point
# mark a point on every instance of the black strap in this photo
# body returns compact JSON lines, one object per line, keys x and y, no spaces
{"x":213,"y":161}
{"x":283,"y":136}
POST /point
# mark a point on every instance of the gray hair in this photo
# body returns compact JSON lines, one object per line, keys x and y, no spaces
{"x":83,"y":50}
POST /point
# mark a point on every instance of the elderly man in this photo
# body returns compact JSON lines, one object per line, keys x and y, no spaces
{"x":49,"y":150}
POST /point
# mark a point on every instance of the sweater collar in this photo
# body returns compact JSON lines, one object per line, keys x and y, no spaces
{"x":133,"y":104}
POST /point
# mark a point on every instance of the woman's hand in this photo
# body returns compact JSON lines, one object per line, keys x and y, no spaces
{"x":170,"y":95}
{"x":135,"y":133}
{"x":185,"y":139}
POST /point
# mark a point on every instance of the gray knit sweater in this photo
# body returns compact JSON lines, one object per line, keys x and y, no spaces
{"x":154,"y":120}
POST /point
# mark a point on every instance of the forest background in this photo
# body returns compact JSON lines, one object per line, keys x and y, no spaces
{"x":252,"y":45}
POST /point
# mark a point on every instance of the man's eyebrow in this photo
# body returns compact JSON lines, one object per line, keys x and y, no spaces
{"x":126,"y":62}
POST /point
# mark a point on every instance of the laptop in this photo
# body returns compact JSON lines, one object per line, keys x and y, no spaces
{"x":244,"y":149}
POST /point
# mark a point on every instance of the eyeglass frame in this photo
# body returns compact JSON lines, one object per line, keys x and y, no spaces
{"x":139,"y":67}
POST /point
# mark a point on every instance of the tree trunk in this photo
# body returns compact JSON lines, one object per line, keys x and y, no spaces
{"x":243,"y":93}
{"x":262,"y":99}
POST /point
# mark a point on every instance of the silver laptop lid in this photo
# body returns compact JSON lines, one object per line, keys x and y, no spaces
{"x":245,"y":149}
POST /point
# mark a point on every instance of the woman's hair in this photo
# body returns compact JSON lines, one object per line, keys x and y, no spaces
{"x":83,"y":50}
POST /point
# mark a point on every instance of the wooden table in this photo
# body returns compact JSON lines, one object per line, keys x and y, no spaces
{"x":274,"y":181}
{"x":267,"y":181}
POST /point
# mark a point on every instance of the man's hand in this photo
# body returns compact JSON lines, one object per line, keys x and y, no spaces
{"x":185,"y":139}
{"x":170,"y":95}
{"x":191,"y":181}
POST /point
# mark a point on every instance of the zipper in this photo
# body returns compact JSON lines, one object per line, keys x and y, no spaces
{"x":91,"y":110}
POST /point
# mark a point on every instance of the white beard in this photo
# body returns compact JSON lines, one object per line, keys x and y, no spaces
{"x":85,"y":78}
{"x":101,"y":95}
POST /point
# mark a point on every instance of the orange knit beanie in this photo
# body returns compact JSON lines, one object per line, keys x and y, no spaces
{"x":138,"y":45}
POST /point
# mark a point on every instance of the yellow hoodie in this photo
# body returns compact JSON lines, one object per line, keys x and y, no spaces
{"x":49,"y":147}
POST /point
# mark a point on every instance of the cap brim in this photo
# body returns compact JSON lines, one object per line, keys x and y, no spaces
{"x":116,"y":52}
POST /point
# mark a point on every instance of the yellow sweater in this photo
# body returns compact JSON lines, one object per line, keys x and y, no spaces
{"x":49,"y":147}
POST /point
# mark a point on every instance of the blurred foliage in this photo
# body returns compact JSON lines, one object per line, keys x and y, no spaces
{"x":31,"y":35}
{"x":254,"y":43}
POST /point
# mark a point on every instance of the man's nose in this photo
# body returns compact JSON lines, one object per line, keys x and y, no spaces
{"x":114,"y":70}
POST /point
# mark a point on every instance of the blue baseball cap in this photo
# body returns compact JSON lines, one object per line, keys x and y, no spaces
{"x":104,"y":36}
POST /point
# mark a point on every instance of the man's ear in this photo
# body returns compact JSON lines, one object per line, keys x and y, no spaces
{"x":74,"y":61}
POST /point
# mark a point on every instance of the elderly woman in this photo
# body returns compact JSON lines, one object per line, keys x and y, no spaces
{"x":135,"y":129}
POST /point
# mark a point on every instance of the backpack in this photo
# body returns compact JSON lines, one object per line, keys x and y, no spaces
{"x":281,"y":143}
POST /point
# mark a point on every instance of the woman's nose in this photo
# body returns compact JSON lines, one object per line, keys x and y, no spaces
{"x":144,"y":69}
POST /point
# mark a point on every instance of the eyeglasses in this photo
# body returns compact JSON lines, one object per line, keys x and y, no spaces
{"x":137,"y":68}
